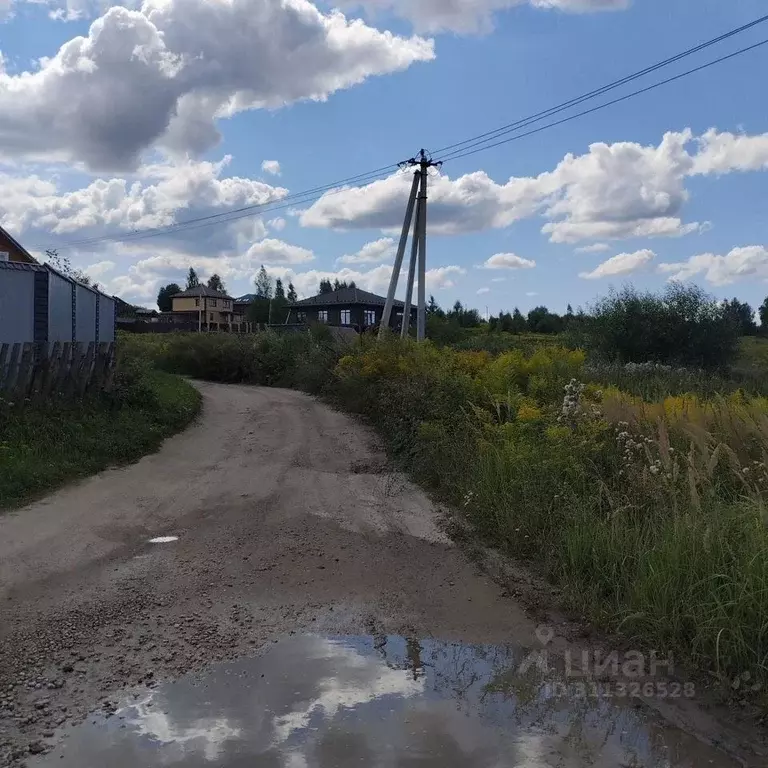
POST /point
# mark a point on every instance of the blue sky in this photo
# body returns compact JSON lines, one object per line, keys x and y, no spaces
{"x":114,"y":120}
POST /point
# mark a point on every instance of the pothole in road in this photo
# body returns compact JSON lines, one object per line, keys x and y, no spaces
{"x":164,"y":540}
{"x":332,"y":701}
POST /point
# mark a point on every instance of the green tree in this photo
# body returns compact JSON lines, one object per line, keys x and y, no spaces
{"x":192,"y":279}
{"x":263,"y":283}
{"x":464,"y":318}
{"x":215,"y":283}
{"x":519,"y":323}
{"x":763,"y":312}
{"x":326,"y":286}
{"x":292,"y":295}
{"x":681,"y":326}
{"x":164,"y":296}
{"x":742,"y":315}
{"x":433,"y":308}
{"x":541,"y":320}
{"x":279,"y":290}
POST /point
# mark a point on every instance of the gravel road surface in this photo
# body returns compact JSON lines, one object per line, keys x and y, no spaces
{"x":276,"y":515}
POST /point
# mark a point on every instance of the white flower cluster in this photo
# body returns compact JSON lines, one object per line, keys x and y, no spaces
{"x":637,"y":449}
{"x":757,"y":473}
{"x":572,"y":400}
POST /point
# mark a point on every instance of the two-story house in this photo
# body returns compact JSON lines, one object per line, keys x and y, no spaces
{"x":201,"y":308}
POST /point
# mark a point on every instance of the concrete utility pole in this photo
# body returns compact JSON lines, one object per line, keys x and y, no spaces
{"x":418,"y":251}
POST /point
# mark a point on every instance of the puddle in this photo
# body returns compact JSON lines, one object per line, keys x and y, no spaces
{"x":163,"y":539}
{"x":338,"y":702}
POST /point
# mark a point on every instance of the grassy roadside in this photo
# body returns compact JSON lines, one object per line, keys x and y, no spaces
{"x":639,"y":490}
{"x":42,"y":447}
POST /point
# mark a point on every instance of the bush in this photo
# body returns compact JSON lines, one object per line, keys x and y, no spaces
{"x":45,"y":445}
{"x":270,"y":358}
{"x":683,"y":326}
{"x":651,"y":516}
{"x":649,"y":511}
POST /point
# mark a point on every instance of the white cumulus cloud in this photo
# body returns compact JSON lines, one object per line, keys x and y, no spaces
{"x":613,"y":191}
{"x":443,"y":277}
{"x":271,"y":166}
{"x":749,"y":262}
{"x":470,"y":16}
{"x":508,"y":261}
{"x":372,"y":253}
{"x":158,"y":195}
{"x":622,"y":264}
{"x":481,"y":291}
{"x":271,"y":251}
{"x":165,"y":74}
{"x":594,"y":248}
{"x":728,"y":152}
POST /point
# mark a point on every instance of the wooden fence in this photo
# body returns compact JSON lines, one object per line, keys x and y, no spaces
{"x":63,"y":369}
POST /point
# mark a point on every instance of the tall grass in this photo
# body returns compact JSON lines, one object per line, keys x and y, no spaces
{"x":649,"y":508}
{"x":44,"y":445}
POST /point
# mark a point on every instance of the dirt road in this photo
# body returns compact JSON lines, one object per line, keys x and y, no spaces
{"x":278,"y":516}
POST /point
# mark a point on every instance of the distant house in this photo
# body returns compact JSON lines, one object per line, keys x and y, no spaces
{"x":240,"y":305}
{"x":201,"y":308}
{"x":13,"y":250}
{"x":40,"y":304}
{"x":347,"y":307}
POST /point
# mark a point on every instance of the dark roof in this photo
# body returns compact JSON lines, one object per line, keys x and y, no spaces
{"x":18,"y":245}
{"x":200,"y":290}
{"x":345,"y":296}
{"x":249,"y":298}
{"x":22,"y":266}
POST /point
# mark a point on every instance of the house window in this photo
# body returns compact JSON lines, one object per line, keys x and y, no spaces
{"x":197,"y":302}
{"x":211,"y":317}
{"x":370,"y":317}
{"x":214,"y":302}
{"x":226,"y":303}
{"x":322,"y":316}
{"x":346,"y":317}
{"x":301,"y":317}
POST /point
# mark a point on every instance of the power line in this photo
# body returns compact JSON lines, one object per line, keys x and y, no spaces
{"x":604,"y":89}
{"x":224,"y":216}
{"x":462,"y":153}
{"x":468,"y":147}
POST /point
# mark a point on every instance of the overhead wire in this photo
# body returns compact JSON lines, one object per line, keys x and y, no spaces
{"x":461,"y":149}
{"x":296,"y":198}
{"x":470,"y":151}
{"x":523,"y":122}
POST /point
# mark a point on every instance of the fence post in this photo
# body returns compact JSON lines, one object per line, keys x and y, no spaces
{"x":13,"y":366}
{"x":60,"y":384}
{"x":71,"y":379}
{"x":86,"y":367}
{"x":40,"y":364}
{"x":110,"y":368}
{"x":4,"y":349}
{"x":52,"y":371}
{"x":26,"y":367}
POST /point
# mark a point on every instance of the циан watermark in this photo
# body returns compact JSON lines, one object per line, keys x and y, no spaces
{"x":606,"y":674}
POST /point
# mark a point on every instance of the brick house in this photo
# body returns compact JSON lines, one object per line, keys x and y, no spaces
{"x":201,"y":308}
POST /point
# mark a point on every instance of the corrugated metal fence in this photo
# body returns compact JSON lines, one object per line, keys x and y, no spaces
{"x":39,"y":304}
{"x":63,"y":369}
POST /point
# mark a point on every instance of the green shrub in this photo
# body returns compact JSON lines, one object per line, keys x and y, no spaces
{"x":682,"y":326}
{"x":44,"y":445}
